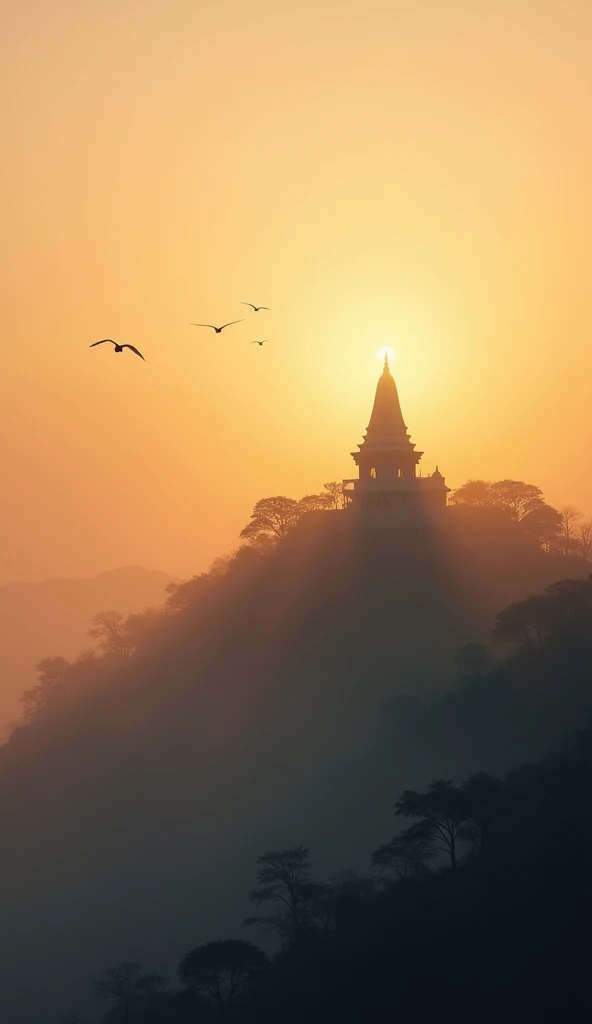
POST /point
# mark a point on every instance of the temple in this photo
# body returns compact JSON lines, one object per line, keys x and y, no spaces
{"x":387,"y":488}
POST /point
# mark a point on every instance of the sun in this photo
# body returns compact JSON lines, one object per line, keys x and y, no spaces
{"x":385,"y":352}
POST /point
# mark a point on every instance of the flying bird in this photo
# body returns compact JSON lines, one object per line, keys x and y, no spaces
{"x":218,"y":330}
{"x":264,"y":342}
{"x":256,"y":308}
{"x":118,"y":348}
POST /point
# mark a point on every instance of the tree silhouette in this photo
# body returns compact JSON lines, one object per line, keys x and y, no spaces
{"x":543,"y":523}
{"x":124,"y":983}
{"x":485,"y":806}
{"x":531,"y":622}
{"x":524,"y":623}
{"x":283,"y":878}
{"x":109,"y":629}
{"x":516,"y":498}
{"x":474,"y":492}
{"x":315,"y":502}
{"x":334,"y":490}
{"x":218,"y":970}
{"x":569,"y":517}
{"x":273,"y":517}
{"x":441,"y":812}
{"x":54,"y":681}
{"x":405,"y":856}
{"x":584,"y":540}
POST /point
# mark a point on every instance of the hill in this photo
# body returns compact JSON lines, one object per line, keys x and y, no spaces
{"x":248,"y":716}
{"x":53,"y":617}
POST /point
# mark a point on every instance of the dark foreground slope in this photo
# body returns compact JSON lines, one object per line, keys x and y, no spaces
{"x":134,"y":808}
{"x":53,"y":617}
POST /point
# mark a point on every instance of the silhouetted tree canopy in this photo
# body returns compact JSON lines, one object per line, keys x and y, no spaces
{"x":219,"y":970}
{"x":474,"y":492}
{"x":406,"y":855}
{"x":516,"y":498}
{"x":283,"y":879}
{"x":543,"y":523}
{"x":334,"y":491}
{"x":121,"y":985}
{"x":109,"y":629}
{"x":441,"y":812}
{"x":54,"y":680}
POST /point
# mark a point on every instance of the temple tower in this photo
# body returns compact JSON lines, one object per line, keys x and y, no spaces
{"x":388,"y":488}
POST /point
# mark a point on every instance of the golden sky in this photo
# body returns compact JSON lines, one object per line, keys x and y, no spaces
{"x":413,"y":174}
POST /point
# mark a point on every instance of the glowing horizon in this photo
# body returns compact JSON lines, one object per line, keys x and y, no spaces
{"x":392,"y":184}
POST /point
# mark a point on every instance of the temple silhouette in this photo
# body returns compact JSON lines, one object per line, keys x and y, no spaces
{"x":388,"y":488}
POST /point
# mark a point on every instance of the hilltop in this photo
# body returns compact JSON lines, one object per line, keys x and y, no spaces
{"x":246,"y":716}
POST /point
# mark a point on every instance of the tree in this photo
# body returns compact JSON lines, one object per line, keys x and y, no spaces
{"x":123,"y":984}
{"x":524,"y":623}
{"x":73,"y":1017}
{"x":516,"y":498}
{"x":486,"y":806}
{"x":569,"y":517}
{"x":474,"y":492}
{"x":532,"y":622}
{"x":441,"y":812}
{"x":283,"y":878}
{"x":543,"y":523}
{"x":189,"y":593}
{"x":334,"y":491}
{"x":218,"y":970}
{"x":108,"y":628}
{"x":584,"y":540}
{"x":273,"y":517}
{"x":54,"y":681}
{"x":315,"y":502}
{"x":406,"y":855}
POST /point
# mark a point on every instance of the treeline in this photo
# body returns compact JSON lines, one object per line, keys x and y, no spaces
{"x":117,"y":636}
{"x":563,"y":529}
{"x":476,"y":911}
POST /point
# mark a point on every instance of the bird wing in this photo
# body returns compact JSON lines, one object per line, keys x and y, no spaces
{"x":262,"y":307}
{"x":102,"y":342}
{"x":134,"y":350}
{"x":232,"y":322}
{"x":203,"y":325}
{"x":249,"y":304}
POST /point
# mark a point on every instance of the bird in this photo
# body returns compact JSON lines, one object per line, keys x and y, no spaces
{"x":118,"y":348}
{"x":264,"y":342}
{"x":256,"y":308}
{"x":218,"y":330}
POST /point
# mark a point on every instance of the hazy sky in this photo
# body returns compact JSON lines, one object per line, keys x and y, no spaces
{"x":414,"y":174}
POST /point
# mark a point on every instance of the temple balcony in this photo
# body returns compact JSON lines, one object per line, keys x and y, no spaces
{"x":395,"y":484}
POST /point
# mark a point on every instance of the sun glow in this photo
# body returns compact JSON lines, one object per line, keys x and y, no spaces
{"x":385,"y":352}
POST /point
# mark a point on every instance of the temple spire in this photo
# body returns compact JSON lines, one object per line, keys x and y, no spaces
{"x":386,"y":419}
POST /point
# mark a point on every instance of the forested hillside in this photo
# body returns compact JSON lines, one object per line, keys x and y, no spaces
{"x":44,"y":619}
{"x":285,"y":697}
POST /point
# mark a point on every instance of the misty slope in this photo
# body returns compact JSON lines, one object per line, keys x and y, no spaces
{"x":247,"y":720}
{"x":40,"y":620}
